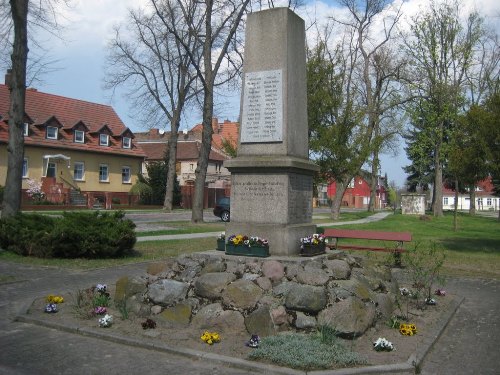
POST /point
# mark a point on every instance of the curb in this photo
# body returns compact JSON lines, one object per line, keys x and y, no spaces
{"x":414,"y":361}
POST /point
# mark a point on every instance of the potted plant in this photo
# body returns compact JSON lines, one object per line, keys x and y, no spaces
{"x":312,"y":245}
{"x":247,"y":246}
{"x":221,"y":242}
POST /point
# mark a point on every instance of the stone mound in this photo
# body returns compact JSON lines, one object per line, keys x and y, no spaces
{"x":233,"y":294}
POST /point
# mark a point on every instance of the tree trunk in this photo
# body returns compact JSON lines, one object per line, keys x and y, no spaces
{"x":341,"y":187}
{"x":455,"y":211}
{"x":472,"y":195}
{"x":437,"y":206}
{"x":374,"y":183}
{"x":15,"y":147}
{"x":172,"y":161}
{"x":201,"y":168}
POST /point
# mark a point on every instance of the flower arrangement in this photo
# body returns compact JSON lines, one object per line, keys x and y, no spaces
{"x":440,"y":292}
{"x":253,"y":342}
{"x":382,"y":344}
{"x":210,"y":337}
{"x":242,"y":240}
{"x":408,"y":329}
{"x":315,"y":239}
{"x":101,"y":288}
{"x":51,"y":308}
{"x":34,"y":190}
{"x":106,"y":321}
{"x":54,"y":299}
{"x":148,"y":324}
{"x":99,"y":310}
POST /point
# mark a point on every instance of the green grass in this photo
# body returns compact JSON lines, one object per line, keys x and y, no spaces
{"x":322,"y":218}
{"x":305,"y":352}
{"x":473,"y":250}
{"x":144,"y":252}
{"x":183,"y":227}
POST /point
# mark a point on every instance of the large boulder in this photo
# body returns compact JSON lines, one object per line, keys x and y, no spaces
{"x":167,"y":291}
{"x":260,"y":322}
{"x":213,"y":317}
{"x":242,"y":294}
{"x":306,"y":298}
{"x":273,"y":270}
{"x":342,"y":289}
{"x":339,"y":269}
{"x":303,"y":321}
{"x":312,"y":274}
{"x":127,"y":287}
{"x":210,"y":285}
{"x":179,"y":314}
{"x":350,"y":318}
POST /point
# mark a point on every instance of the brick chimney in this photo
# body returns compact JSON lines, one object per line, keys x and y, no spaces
{"x":215,"y":125}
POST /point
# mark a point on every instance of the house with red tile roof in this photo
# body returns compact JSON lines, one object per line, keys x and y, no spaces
{"x":80,"y":151}
{"x":485,"y":198}
{"x":357,"y":194}
{"x":155,"y":145}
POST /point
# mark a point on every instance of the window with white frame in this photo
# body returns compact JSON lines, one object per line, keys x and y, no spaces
{"x":126,"y":175}
{"x":79,"y":136}
{"x":26,"y":129}
{"x":445,"y":201}
{"x":103,"y":173}
{"x":126,"y":143}
{"x":103,"y":139}
{"x":25,"y":168}
{"x":78,"y":171}
{"x":52,"y":132}
{"x":488,"y":201}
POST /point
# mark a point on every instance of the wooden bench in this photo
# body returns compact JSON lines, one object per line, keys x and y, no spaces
{"x":398,"y":237}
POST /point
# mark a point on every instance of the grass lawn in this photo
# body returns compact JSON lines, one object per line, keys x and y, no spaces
{"x":473,"y":250}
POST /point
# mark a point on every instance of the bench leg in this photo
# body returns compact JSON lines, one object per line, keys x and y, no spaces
{"x":397,"y":254}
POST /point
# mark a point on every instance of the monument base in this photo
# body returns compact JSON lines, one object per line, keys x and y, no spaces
{"x":284,"y":239}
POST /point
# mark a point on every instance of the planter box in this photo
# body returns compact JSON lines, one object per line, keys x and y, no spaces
{"x":221,"y":245}
{"x":311,"y":250}
{"x":252,"y":251}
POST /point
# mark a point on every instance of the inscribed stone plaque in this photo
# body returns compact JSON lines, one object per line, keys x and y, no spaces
{"x":299,"y":198}
{"x":262,"y":117}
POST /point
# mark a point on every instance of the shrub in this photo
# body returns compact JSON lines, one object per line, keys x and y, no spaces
{"x":76,"y":234}
{"x":1,"y":193}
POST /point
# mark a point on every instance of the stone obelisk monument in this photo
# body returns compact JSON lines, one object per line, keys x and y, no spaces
{"x":272,"y":177}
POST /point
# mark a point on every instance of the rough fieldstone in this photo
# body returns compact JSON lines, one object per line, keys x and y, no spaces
{"x":254,"y":267}
{"x":190,"y":272}
{"x":135,"y":304}
{"x":304,"y":321}
{"x":311,"y":274}
{"x":268,"y":300}
{"x":156,"y":309}
{"x":156,"y":268}
{"x":127,"y":287}
{"x":250,"y":276}
{"x":210,"y":285}
{"x":166,"y":291}
{"x":273,"y":269}
{"x":385,"y":304}
{"x":259,"y":322}
{"x":235,"y":267}
{"x":279,"y":316}
{"x":214,"y":266}
{"x":242,"y":294}
{"x":283,"y":288}
{"x":291,"y":270}
{"x":350,"y":318}
{"x":353,"y":287}
{"x":264,"y":283}
{"x":215,"y":318}
{"x":179,"y":314}
{"x":306,"y":298}
{"x":186,"y":261}
{"x":339,"y":269}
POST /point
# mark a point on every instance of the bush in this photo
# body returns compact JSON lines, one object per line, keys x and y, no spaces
{"x":76,"y":234}
{"x":1,"y":193}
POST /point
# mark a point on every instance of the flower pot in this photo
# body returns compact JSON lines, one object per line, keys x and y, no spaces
{"x":249,"y":251}
{"x":221,"y":245}
{"x":311,"y":250}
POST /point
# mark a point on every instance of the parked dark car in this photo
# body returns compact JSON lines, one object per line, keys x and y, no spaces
{"x":222,"y":209}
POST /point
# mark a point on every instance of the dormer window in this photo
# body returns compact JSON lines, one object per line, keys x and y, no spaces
{"x":126,"y":142}
{"x":79,"y":136}
{"x":26,"y":129}
{"x":103,"y":139}
{"x":52,"y":132}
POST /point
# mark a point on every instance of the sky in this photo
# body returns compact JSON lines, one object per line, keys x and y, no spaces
{"x":82,"y":48}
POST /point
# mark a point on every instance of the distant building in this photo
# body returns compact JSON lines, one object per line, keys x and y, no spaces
{"x":357,"y":194}
{"x":485,"y":198}
{"x":81,"y":152}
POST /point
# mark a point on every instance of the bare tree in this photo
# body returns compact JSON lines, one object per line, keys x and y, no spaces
{"x":157,"y":70}
{"x":214,"y":24}
{"x":15,"y":30}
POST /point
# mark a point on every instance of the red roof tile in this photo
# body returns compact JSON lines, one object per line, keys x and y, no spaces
{"x":42,"y":107}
